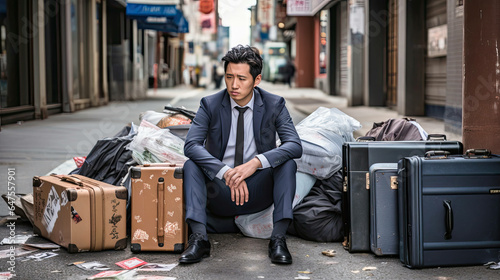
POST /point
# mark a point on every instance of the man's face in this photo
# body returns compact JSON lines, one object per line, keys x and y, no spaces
{"x":240,"y":82}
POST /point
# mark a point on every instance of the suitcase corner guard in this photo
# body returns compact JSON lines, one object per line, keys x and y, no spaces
{"x":121,"y":244}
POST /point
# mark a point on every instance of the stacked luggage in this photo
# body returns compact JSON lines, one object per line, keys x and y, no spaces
{"x":425,"y":201}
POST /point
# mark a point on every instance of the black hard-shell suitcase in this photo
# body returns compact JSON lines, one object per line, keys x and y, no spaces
{"x":384,"y":235}
{"x":449,"y":210}
{"x":357,"y":157}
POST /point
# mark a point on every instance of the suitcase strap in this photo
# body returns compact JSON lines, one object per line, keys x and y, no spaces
{"x":160,"y":211}
{"x":96,"y":237}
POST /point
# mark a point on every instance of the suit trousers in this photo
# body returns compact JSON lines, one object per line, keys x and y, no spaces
{"x":265,"y":187}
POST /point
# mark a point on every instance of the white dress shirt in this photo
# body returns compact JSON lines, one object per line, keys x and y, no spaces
{"x":249,"y":147}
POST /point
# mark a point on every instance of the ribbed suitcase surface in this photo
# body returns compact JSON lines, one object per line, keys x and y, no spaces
{"x":79,"y":213}
{"x":450,"y":210}
{"x":357,"y":158}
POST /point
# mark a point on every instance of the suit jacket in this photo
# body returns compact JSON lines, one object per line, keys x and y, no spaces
{"x":207,"y":138}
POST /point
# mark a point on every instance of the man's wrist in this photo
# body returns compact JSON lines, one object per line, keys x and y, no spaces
{"x":257,"y":162}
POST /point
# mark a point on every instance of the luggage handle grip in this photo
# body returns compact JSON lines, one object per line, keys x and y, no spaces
{"x":70,"y":179}
{"x":434,"y":137}
{"x":439,"y":153}
{"x":159,"y":224}
{"x":483,"y":153}
{"x":448,"y":219}
{"x":365,"y":138}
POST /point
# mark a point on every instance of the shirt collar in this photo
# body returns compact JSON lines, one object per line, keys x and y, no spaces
{"x":249,"y":104}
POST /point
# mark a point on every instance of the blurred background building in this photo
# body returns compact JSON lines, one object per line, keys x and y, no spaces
{"x":66,"y":55}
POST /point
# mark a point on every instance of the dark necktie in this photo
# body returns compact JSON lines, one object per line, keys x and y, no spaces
{"x":240,"y":137}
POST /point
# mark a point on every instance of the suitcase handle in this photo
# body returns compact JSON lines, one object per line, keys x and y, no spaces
{"x":436,"y":136}
{"x":478,"y":153}
{"x":160,"y":164}
{"x":70,"y":179}
{"x":365,"y":138}
{"x":439,"y":154}
{"x":159,"y":224}
{"x":448,"y":219}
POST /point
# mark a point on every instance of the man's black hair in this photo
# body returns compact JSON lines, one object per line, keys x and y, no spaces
{"x":245,"y":54}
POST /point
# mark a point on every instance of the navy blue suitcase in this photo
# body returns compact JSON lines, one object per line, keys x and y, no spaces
{"x":357,"y":157}
{"x":449,"y":210}
{"x":384,"y":231}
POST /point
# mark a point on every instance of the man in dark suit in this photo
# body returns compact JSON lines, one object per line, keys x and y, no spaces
{"x":235,"y":167}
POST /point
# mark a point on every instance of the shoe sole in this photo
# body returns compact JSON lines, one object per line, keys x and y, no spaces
{"x":279,"y":261}
{"x":186,"y":261}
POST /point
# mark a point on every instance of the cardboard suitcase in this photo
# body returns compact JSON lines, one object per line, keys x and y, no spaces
{"x":79,"y":213}
{"x":449,"y":210}
{"x":357,"y":157}
{"x":384,"y":232}
{"x":157,"y":214}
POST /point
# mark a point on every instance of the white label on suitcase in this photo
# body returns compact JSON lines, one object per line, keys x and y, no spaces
{"x":51,"y":210}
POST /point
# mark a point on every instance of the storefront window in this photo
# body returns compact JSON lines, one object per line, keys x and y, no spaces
{"x":15,"y":54}
{"x":323,"y":23}
{"x":74,"y":48}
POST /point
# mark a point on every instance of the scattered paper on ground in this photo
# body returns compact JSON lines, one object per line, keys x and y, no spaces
{"x":305,"y":272}
{"x":95,"y":265}
{"x":329,"y":253}
{"x":131,"y":263}
{"x":18,"y":239}
{"x":157,"y":267}
{"x":493,"y":265}
{"x":369,"y":268}
{"x":43,"y":245}
{"x":302,"y":277}
{"x":41,"y":256}
{"x":19,"y":251}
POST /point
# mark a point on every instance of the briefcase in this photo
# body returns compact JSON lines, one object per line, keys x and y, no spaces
{"x":449,"y":209}
{"x":79,"y":213}
{"x":384,"y":231}
{"x":357,"y":157}
{"x":157,"y":208}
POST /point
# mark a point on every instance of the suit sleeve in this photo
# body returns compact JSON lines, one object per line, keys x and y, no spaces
{"x":291,"y":146}
{"x":194,"y":147}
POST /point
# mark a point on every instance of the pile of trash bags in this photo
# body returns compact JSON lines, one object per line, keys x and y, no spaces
{"x":317,"y":209}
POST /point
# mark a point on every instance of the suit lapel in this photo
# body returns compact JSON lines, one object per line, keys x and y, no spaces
{"x":258,"y":114}
{"x":225,"y":120}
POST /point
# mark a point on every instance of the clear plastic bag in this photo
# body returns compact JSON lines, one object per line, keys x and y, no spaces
{"x":322,"y":135}
{"x":152,"y":144}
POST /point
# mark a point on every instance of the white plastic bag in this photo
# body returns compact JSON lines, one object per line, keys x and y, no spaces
{"x":322,"y":135}
{"x":152,"y":144}
{"x":260,"y":224}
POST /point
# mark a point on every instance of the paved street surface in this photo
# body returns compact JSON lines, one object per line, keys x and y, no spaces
{"x":36,"y":147}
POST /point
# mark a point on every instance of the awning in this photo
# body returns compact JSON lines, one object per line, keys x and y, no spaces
{"x":177,"y":24}
{"x":157,"y":16}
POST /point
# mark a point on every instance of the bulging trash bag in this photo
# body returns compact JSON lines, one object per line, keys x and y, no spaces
{"x":260,"y":224}
{"x":322,"y":135}
{"x":153,"y":144}
{"x":319,"y":216}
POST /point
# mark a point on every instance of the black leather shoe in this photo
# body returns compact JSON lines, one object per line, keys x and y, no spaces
{"x":278,"y":251}
{"x":198,"y":248}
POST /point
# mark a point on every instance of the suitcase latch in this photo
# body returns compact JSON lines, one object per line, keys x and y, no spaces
{"x":394,"y":182}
